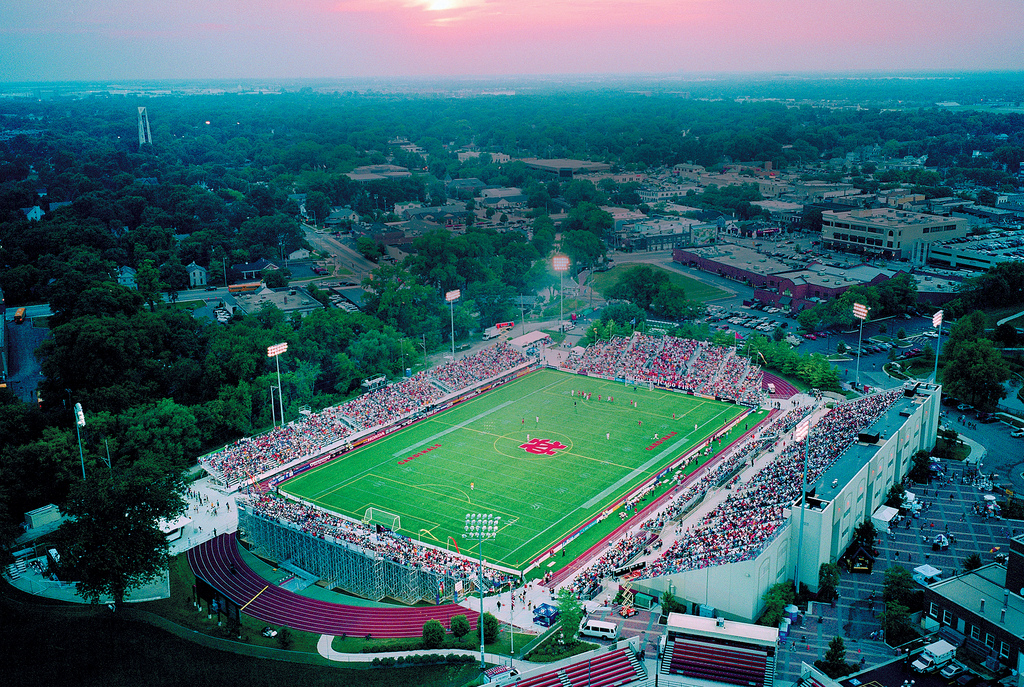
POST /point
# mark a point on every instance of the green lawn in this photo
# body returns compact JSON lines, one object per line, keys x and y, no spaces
{"x":474,"y":458}
{"x":695,"y":290}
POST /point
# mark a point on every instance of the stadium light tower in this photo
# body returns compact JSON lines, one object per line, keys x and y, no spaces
{"x":451,"y":297}
{"x":561,"y":265}
{"x":481,"y":526}
{"x":861,"y":313}
{"x":275,"y":352}
{"x":937,"y":323}
{"x":79,"y":423}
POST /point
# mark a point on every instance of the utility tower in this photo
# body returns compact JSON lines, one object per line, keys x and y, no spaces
{"x":144,"y":135}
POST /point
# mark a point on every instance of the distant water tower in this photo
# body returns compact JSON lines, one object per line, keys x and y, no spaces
{"x":144,"y":135}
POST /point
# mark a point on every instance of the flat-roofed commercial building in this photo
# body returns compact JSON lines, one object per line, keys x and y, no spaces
{"x":889,"y":232}
{"x":987,"y":607}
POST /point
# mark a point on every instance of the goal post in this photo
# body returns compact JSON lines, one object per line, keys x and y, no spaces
{"x":377,"y":516}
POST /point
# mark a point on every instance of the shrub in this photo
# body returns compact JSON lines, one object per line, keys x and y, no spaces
{"x":460,"y":626}
{"x":433,"y":634}
{"x":491,"y":628}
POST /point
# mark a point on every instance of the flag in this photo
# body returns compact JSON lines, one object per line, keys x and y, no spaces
{"x":633,"y":321}
{"x":800,"y":433}
{"x":937,"y":319}
{"x":993,"y":549}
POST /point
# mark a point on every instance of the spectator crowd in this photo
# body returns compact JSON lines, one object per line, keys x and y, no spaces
{"x":750,"y":517}
{"x":670,"y":362}
{"x":308,"y":436}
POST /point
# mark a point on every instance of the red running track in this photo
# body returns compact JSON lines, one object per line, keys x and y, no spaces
{"x":213,"y":559}
{"x":783,"y":389}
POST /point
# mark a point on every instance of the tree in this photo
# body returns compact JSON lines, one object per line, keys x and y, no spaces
{"x":898,"y":586}
{"x":433,"y":634}
{"x":972,"y":562}
{"x":896,"y":623}
{"x":275,"y":279}
{"x":111,"y":542}
{"x":582,"y":247}
{"x":147,"y":279}
{"x":670,"y":303}
{"x":491,"y":628}
{"x":570,"y":612}
{"x":318,"y":206}
{"x":778,"y":334}
{"x":639,"y":285}
{"x":894,"y":499}
{"x":460,"y":626}
{"x":864,"y":534}
{"x":835,"y":657}
{"x":976,"y":372}
{"x":669,"y":604}
{"x":965,"y":330}
{"x":368,"y":248}
{"x":808,"y":319}
{"x":778,"y":596}
{"x":828,"y":581}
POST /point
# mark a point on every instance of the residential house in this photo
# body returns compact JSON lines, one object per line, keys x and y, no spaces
{"x":197,"y":276}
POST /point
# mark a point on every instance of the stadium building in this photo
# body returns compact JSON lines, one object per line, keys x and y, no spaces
{"x":845,"y":495}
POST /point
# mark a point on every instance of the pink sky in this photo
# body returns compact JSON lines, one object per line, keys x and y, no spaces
{"x":146,"y":39}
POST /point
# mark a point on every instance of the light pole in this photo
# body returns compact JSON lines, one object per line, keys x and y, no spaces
{"x":561,"y":264}
{"x":275,"y":352}
{"x":937,"y":323}
{"x":802,"y":431}
{"x":79,"y":423}
{"x":481,"y":526}
{"x":861,"y":313}
{"x":451,"y":297}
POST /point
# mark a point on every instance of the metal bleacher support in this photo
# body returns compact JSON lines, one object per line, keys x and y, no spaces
{"x":341,"y":565}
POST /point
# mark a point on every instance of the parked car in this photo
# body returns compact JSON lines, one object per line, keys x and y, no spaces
{"x":966,"y":679}
{"x":1017,"y":433}
{"x":964,"y":407}
{"x":987,"y":418}
{"x":954,"y":669}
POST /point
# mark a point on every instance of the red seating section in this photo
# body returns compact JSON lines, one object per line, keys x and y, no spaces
{"x":213,"y":561}
{"x":607,"y":670}
{"x":719,"y":663}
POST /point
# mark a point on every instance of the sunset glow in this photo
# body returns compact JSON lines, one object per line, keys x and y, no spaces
{"x":338,"y":38}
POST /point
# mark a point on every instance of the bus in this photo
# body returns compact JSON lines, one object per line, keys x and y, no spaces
{"x":249,"y":287}
{"x":19,"y":316}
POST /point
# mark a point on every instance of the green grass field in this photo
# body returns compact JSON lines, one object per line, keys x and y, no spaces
{"x":695,"y":290}
{"x":471,"y":458}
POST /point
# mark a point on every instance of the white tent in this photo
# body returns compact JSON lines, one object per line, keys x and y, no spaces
{"x":927,"y":574}
{"x":882,"y":517}
{"x":529,"y":338}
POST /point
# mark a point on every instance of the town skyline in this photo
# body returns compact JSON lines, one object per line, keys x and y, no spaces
{"x":449,"y":38}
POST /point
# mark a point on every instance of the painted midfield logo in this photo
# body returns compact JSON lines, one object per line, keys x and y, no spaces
{"x":542,"y":447}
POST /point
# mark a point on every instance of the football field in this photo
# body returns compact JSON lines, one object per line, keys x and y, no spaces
{"x":532,"y":451}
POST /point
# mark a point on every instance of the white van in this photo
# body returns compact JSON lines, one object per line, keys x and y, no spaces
{"x":597,"y":628}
